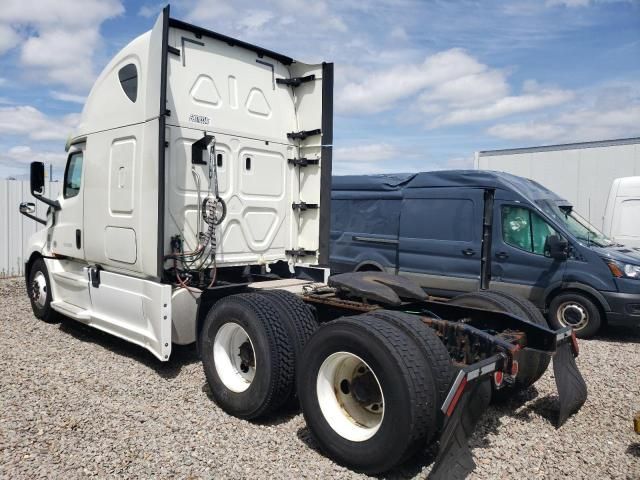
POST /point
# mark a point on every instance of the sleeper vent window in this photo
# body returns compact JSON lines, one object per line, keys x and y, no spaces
{"x":128,"y":76}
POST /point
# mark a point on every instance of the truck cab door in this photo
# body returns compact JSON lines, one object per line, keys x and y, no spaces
{"x":440,"y":242}
{"x":67,"y":234}
{"x":519,"y":264}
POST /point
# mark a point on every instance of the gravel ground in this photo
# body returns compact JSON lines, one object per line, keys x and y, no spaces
{"x":76,"y":403}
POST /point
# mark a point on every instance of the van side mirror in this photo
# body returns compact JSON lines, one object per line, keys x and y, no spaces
{"x":37,"y":185}
{"x":37,"y":178}
{"x":557,"y":248}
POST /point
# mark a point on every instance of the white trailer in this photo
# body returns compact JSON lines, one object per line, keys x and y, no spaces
{"x":582,"y":173}
{"x":196,"y":200}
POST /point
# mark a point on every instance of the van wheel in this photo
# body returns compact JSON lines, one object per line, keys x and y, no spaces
{"x":576,"y":311}
{"x":39,"y":291}
{"x":247,"y":355}
{"x":367,"y":393}
{"x":532,"y":365}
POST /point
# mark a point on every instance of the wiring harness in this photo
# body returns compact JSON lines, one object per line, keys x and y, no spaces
{"x":198,"y":268}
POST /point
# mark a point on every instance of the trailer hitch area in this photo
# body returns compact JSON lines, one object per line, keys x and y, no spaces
{"x":572,"y":389}
{"x":470,"y":394}
{"x":467,"y":400}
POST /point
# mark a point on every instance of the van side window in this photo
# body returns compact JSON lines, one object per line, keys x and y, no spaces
{"x":73,"y":176}
{"x":448,"y":219}
{"x":524,"y":229}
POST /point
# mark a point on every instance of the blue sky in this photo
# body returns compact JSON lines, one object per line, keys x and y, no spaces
{"x":419,"y":84}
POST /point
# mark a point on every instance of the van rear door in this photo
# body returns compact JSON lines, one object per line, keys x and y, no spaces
{"x":440,"y":243}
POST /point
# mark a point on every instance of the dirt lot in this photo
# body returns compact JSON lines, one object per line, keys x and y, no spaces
{"x":75,"y":402}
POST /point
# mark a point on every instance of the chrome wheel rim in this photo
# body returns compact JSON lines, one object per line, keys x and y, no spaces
{"x":234,"y":357}
{"x":39,"y":289}
{"x":350,"y":396}
{"x":572,"y":314}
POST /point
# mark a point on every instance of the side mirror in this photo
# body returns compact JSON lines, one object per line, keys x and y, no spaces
{"x":557,"y":248}
{"x":37,"y":186}
{"x":27,"y":208}
{"x":37,"y":178}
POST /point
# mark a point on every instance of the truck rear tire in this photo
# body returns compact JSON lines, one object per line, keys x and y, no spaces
{"x":40,"y":294}
{"x":296,"y":314}
{"x":576,"y":311}
{"x":367,"y":393}
{"x":531,"y":364}
{"x":436,"y":354}
{"x":247,"y":355}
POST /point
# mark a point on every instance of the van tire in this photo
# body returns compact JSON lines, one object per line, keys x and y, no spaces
{"x":531,"y":364}
{"x":252,"y":319}
{"x":38,"y":284}
{"x":577,"y":304}
{"x":409,"y":393}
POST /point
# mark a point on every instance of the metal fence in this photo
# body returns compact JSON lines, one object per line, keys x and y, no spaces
{"x":15,"y":229}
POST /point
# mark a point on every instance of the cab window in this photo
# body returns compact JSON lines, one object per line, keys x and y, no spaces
{"x":73,"y":176}
{"x":524,"y":229}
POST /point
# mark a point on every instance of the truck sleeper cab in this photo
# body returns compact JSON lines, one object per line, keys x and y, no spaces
{"x":461,"y":231}
{"x":193,"y":159}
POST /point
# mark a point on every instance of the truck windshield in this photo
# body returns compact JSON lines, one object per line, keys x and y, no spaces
{"x":577,"y":225}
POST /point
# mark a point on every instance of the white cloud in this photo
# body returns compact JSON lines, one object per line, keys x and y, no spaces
{"x":256,"y":19}
{"x":468,"y":90}
{"x":24,"y":155}
{"x":398,"y":33}
{"x":68,"y":97}
{"x":379,"y":91}
{"x":151,"y":10}
{"x":526,"y":131}
{"x":9,"y":38}
{"x":32,"y":123}
{"x":612,"y":111}
{"x":448,"y":88}
{"x":370,"y":152}
{"x":60,"y":37}
{"x":274,"y":23}
{"x":505,"y":106}
{"x":568,"y":3}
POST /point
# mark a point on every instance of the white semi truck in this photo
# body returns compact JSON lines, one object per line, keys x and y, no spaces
{"x":195,"y":209}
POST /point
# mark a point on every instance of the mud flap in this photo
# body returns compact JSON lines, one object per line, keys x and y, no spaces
{"x":454,"y":460}
{"x":572,"y":390}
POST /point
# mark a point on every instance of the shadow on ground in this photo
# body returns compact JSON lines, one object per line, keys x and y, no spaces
{"x":489,"y":424}
{"x":619,"y":333}
{"x":181,"y":356}
{"x":634,"y":449}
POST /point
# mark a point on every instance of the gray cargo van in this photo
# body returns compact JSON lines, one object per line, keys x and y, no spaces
{"x":460,"y":231}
